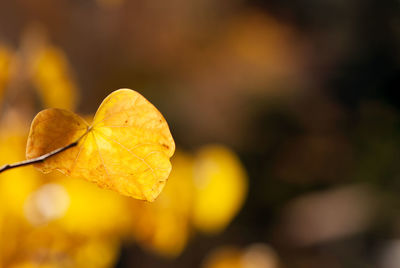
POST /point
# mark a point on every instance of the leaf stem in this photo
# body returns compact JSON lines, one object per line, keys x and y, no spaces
{"x":37,"y":159}
{"x":42,"y":158}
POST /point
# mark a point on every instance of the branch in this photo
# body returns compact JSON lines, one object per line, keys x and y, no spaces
{"x":38,"y":159}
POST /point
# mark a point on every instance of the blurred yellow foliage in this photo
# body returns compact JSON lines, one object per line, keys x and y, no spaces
{"x":109,"y":218}
{"x":221,"y":188}
{"x":205,"y":191}
{"x":5,"y":61}
{"x":227,"y":257}
{"x":126,"y":148}
{"x":52,"y":78}
{"x":50,"y":220}
{"x":254,"y":256}
{"x":55,"y":215}
{"x":39,"y":64}
{"x":51,"y":215}
{"x":56,"y":221}
{"x":96,"y":253}
{"x":260,"y":48}
{"x":163,"y":226}
{"x":52,"y":248}
{"x":87,"y":228}
{"x":17,"y":184}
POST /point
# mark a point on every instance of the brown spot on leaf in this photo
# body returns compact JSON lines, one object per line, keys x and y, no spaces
{"x":165,"y":146}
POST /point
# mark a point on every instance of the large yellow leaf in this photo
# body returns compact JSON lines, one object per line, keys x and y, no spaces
{"x":127,"y":147}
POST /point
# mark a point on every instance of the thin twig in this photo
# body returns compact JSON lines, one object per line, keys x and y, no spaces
{"x":42,"y":158}
{"x":38,"y":159}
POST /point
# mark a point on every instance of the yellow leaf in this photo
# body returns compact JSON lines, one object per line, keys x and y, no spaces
{"x":126,"y":149}
{"x":221,"y":188}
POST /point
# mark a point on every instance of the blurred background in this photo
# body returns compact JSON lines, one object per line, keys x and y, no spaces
{"x":286,"y":116}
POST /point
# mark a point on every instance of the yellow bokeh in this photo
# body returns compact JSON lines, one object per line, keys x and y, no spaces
{"x":256,"y":255}
{"x":51,"y":248}
{"x":227,"y":257}
{"x":221,"y":187}
{"x":163,"y":226}
{"x":97,"y":253}
{"x":30,"y":264}
{"x":205,"y":191}
{"x":17,"y":184}
{"x":37,"y":68}
{"x":5,"y":61}
{"x":74,"y":218}
{"x":93,"y":211}
{"x":87,"y":233}
{"x":53,"y":79}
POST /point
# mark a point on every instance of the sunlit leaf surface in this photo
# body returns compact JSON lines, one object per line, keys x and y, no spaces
{"x":126,"y":148}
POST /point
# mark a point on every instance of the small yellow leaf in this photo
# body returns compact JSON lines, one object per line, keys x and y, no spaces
{"x":126,"y":149}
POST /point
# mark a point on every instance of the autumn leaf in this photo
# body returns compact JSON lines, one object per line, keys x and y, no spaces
{"x":126,"y":149}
